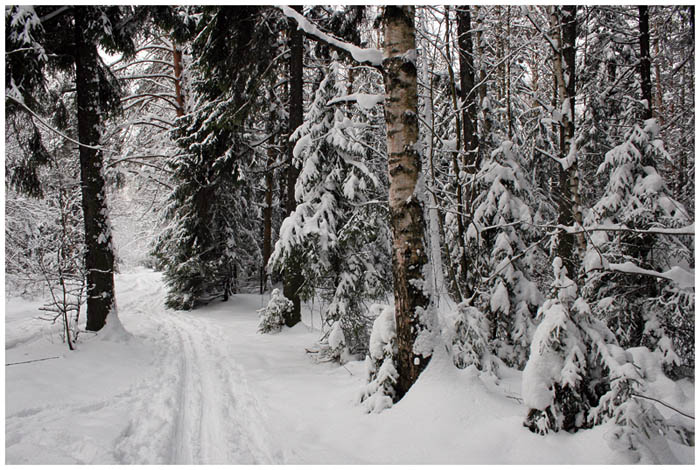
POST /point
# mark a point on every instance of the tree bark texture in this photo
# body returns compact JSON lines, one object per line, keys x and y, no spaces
{"x":405,"y":208}
{"x":568,"y":198}
{"x":267,"y":216}
{"x":645,"y":60}
{"x":468,"y":96}
{"x":293,"y":280}
{"x":177,"y":66}
{"x":99,"y":258}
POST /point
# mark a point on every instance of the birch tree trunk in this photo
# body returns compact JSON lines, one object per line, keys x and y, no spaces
{"x":99,"y":258}
{"x":405,"y":207}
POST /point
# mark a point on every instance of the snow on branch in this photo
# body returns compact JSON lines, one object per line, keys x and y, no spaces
{"x":684,"y":279}
{"x":363,"y":100}
{"x":687,"y":230}
{"x":370,"y":55}
{"x":51,"y":128}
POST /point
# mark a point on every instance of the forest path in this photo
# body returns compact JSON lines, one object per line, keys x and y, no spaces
{"x":210,"y":415}
{"x":204,"y":387}
{"x":223,"y":393}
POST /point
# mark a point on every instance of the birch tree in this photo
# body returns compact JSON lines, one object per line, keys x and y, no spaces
{"x":405,"y":206}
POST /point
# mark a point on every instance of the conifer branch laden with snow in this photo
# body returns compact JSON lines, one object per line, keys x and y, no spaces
{"x":344,"y":240}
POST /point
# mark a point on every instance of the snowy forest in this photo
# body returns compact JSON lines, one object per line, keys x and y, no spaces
{"x":349,"y":234}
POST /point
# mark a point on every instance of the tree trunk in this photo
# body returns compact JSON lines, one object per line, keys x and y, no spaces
{"x":460,"y":183}
{"x":486,"y":130}
{"x":293,"y":279}
{"x":568,"y":193}
{"x":405,"y":207}
{"x":177,"y":66}
{"x":657,"y":69}
{"x":466,"y":78}
{"x":99,"y":258}
{"x":507,"y":72}
{"x":645,"y":60}
{"x":267,"y":219}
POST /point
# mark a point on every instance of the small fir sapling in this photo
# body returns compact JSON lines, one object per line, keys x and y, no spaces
{"x":378,"y":394}
{"x":470,"y":340}
{"x":336,"y":227}
{"x":555,"y":378}
{"x":498,"y":238}
{"x":271,"y":318}
{"x":578,"y":376}
{"x":640,"y":309}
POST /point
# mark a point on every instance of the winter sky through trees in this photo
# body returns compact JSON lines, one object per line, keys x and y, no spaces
{"x":349,"y":234}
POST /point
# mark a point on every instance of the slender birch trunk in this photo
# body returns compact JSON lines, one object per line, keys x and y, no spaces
{"x":405,"y":207}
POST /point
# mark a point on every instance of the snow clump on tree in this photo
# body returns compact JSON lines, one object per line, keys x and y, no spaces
{"x":379,"y":392}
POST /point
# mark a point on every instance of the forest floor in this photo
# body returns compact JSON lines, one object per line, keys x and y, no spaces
{"x":205,"y":387}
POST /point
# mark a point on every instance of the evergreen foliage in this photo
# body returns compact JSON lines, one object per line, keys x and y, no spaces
{"x":213,"y":233}
{"x":637,"y":198}
{"x":379,"y":393}
{"x":272,"y":316}
{"x":499,"y":235}
{"x":338,"y":226}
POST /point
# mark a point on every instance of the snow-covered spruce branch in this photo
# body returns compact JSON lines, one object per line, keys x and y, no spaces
{"x":363,"y":100}
{"x":138,"y":158}
{"x":688,"y":230}
{"x":164,"y":97}
{"x":371,"y":56}
{"x":143,"y":61}
{"x":516,"y":258}
{"x":684,"y":279}
{"x":53,"y":129}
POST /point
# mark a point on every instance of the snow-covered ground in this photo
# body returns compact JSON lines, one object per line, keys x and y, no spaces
{"x":205,"y":387}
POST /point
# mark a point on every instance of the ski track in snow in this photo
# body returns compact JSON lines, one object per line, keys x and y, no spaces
{"x":212,"y":416}
{"x":192,"y":407}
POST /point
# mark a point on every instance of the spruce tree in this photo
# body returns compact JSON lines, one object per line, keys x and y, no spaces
{"x":213,"y":224}
{"x":500,"y":236}
{"x":337,"y":233}
{"x":635,"y":200}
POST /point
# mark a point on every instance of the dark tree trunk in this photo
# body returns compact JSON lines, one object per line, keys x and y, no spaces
{"x":486,"y":131}
{"x":645,"y":59}
{"x":99,"y":258}
{"x":568,"y":192}
{"x":177,"y":66}
{"x":405,"y":208}
{"x":293,"y":279}
{"x":267,"y":219}
{"x":469,"y":119}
